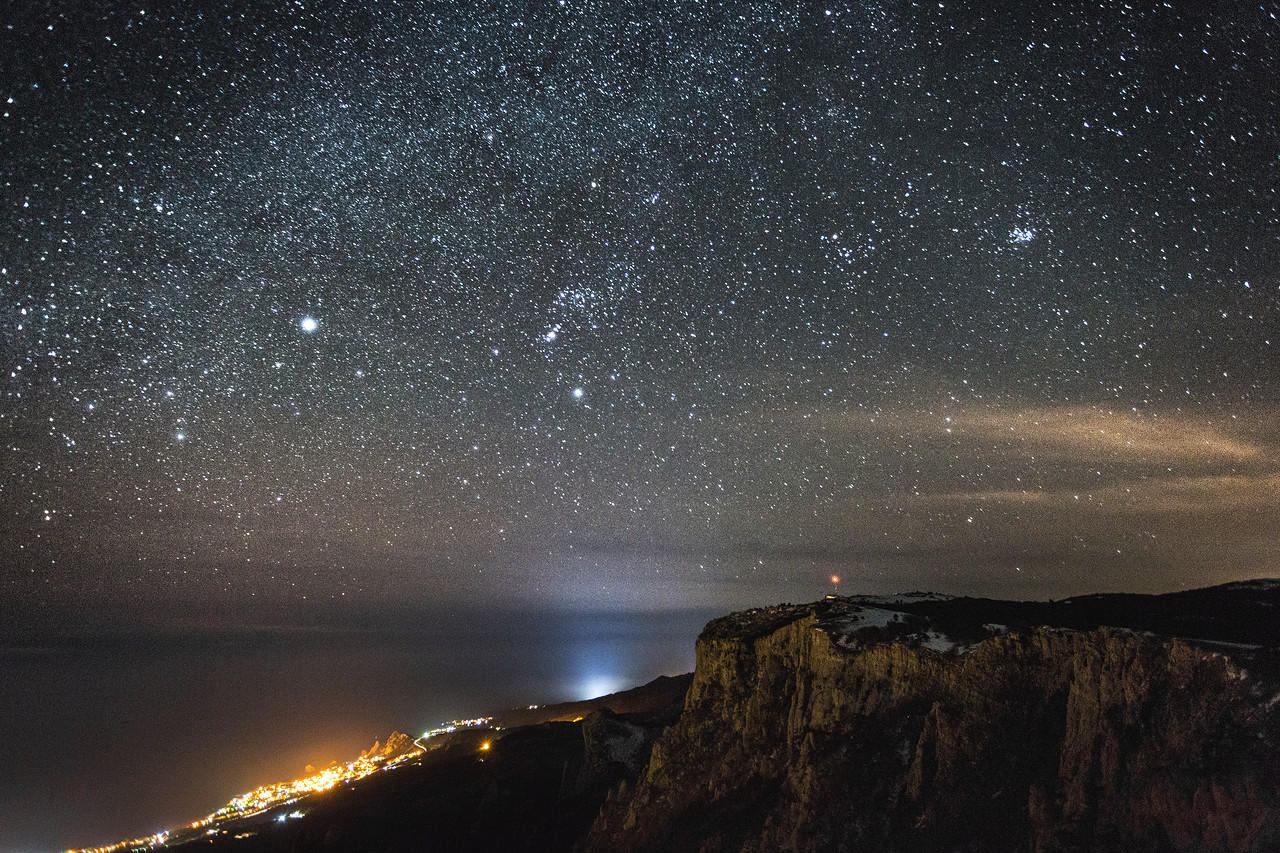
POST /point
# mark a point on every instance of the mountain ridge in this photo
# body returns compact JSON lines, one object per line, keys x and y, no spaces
{"x":915,"y":723}
{"x":921,"y":723}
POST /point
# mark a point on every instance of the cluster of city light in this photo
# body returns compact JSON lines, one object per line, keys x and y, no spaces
{"x":454,"y":725}
{"x":285,"y":793}
{"x":269,"y":797}
{"x":147,"y":843}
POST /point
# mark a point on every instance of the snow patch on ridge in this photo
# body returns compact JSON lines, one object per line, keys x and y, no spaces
{"x":859,"y":622}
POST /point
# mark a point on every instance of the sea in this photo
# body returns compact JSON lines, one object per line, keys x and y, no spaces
{"x":107,"y":734}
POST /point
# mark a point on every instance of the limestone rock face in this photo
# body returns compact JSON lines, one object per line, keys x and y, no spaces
{"x":397,"y":744}
{"x":804,"y":732}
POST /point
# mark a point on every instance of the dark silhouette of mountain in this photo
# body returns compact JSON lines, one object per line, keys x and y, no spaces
{"x":656,"y":696}
{"x":532,"y":779}
{"x":913,"y":723}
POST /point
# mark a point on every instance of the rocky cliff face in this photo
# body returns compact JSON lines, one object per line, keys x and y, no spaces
{"x":397,"y":744}
{"x":862,"y":725}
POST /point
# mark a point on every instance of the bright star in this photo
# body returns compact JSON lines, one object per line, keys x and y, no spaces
{"x":309,"y":324}
{"x":577,"y":393}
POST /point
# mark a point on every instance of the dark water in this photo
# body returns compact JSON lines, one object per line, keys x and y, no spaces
{"x":107,"y":736}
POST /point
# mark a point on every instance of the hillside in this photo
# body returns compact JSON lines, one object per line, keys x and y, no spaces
{"x":913,"y":723}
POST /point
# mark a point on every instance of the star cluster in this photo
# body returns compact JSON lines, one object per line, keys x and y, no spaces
{"x":624,"y":303}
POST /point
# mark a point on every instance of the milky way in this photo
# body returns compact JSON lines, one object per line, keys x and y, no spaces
{"x":630,"y":304}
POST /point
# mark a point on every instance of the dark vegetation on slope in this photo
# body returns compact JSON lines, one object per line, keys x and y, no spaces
{"x":536,"y":788}
{"x":1234,"y":613}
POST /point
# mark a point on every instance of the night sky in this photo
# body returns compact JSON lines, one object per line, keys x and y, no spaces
{"x":632,"y":305}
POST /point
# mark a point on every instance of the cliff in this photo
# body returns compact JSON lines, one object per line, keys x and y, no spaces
{"x":927,"y":724}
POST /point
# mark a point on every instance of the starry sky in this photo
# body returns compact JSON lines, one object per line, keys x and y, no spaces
{"x":633,"y":304}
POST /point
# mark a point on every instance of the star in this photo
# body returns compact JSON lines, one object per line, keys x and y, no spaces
{"x":771,"y":241}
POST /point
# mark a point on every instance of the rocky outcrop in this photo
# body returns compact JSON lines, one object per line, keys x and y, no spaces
{"x":398,"y":743}
{"x":804,"y":732}
{"x":613,"y":748}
